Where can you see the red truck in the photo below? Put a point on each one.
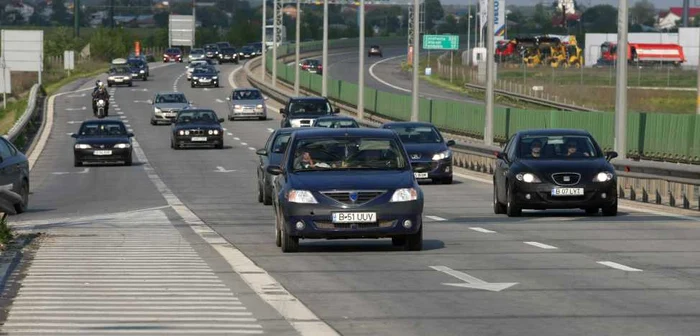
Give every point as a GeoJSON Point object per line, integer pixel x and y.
{"type": "Point", "coordinates": [644, 53]}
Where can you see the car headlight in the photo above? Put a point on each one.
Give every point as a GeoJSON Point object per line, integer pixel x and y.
{"type": "Point", "coordinates": [442, 155]}
{"type": "Point", "coordinates": [216, 132]}
{"type": "Point", "coordinates": [237, 107]}
{"type": "Point", "coordinates": [404, 195]}
{"type": "Point", "coordinates": [110, 78]}
{"type": "Point", "coordinates": [122, 145]}
{"type": "Point", "coordinates": [301, 196]}
{"type": "Point", "coordinates": [603, 177]}
{"type": "Point", "coordinates": [157, 110]}
{"type": "Point", "coordinates": [142, 71]}
{"type": "Point", "coordinates": [527, 178]}
{"type": "Point", "coordinates": [165, 55]}
{"type": "Point", "coordinates": [187, 132]}
{"type": "Point", "coordinates": [259, 107]}
{"type": "Point", "coordinates": [215, 77]}
{"type": "Point", "coordinates": [195, 78]}
{"type": "Point", "coordinates": [181, 132]}
{"type": "Point", "coordinates": [82, 146]}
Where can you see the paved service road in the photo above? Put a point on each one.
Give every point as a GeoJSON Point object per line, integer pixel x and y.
{"type": "Point", "coordinates": [635, 274]}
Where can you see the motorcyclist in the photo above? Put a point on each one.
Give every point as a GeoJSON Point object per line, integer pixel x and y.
{"type": "Point", "coordinates": [100, 93]}
{"type": "Point", "coordinates": [97, 86]}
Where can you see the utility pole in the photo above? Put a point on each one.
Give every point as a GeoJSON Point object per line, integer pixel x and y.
{"type": "Point", "coordinates": [686, 9]}
{"type": "Point", "coordinates": [274, 44]}
{"type": "Point", "coordinates": [264, 41]}
{"type": "Point", "coordinates": [416, 59]}
{"type": "Point", "coordinates": [194, 21]}
{"type": "Point", "coordinates": [697, 106]}
{"type": "Point", "coordinates": [621, 87]}
{"type": "Point", "coordinates": [361, 73]}
{"type": "Point", "coordinates": [111, 13]}
{"type": "Point", "coordinates": [296, 49]}
{"type": "Point", "coordinates": [490, 68]}
{"type": "Point", "coordinates": [76, 17]}
{"type": "Point", "coordinates": [324, 61]}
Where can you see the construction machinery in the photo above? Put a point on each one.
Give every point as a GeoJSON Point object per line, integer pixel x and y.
{"type": "Point", "coordinates": [554, 51]}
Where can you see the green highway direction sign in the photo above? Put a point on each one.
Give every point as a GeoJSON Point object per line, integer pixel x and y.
{"type": "Point", "coordinates": [441, 42]}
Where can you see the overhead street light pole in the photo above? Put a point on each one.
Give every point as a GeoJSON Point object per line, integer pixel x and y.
{"type": "Point", "coordinates": [361, 73]}
{"type": "Point", "coordinates": [415, 59]}
{"type": "Point", "coordinates": [296, 49]}
{"type": "Point", "coordinates": [697, 106]}
{"type": "Point", "coordinates": [264, 40]}
{"type": "Point", "coordinates": [324, 61]}
{"type": "Point", "coordinates": [76, 17]}
{"type": "Point", "coordinates": [274, 44]}
{"type": "Point", "coordinates": [490, 62]}
{"type": "Point", "coordinates": [621, 86]}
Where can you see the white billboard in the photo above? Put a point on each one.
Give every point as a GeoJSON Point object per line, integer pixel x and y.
{"type": "Point", "coordinates": [181, 31]}
{"type": "Point", "coordinates": [23, 50]}
{"type": "Point", "coordinates": [68, 60]}
{"type": "Point", "coordinates": [499, 19]}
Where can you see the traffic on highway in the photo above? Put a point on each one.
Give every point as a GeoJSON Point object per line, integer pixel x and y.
{"type": "Point", "coordinates": [198, 191]}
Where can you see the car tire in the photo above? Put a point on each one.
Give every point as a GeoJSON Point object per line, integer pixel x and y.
{"type": "Point", "coordinates": [267, 196]}
{"type": "Point", "coordinates": [128, 162]}
{"type": "Point", "coordinates": [153, 122]}
{"type": "Point", "coordinates": [398, 241]}
{"type": "Point", "coordinates": [192, 85]}
{"type": "Point", "coordinates": [512, 210]}
{"type": "Point", "coordinates": [262, 118]}
{"type": "Point", "coordinates": [498, 207]}
{"type": "Point", "coordinates": [109, 85]}
{"type": "Point", "coordinates": [131, 84]}
{"type": "Point", "coordinates": [591, 211]}
{"type": "Point", "coordinates": [231, 119]}
{"type": "Point", "coordinates": [610, 210]}
{"type": "Point", "coordinates": [278, 233]}
{"type": "Point", "coordinates": [24, 193]}
{"type": "Point", "coordinates": [77, 163]}
{"type": "Point", "coordinates": [219, 146]}
{"type": "Point", "coordinates": [288, 244]}
{"type": "Point", "coordinates": [260, 193]}
{"type": "Point", "coordinates": [414, 242]}
{"type": "Point", "coordinates": [447, 180]}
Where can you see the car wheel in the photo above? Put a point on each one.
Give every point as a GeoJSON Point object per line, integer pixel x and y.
{"type": "Point", "coordinates": [219, 146]}
{"type": "Point", "coordinates": [414, 242]}
{"type": "Point", "coordinates": [77, 163]}
{"type": "Point", "coordinates": [447, 180]}
{"type": "Point", "coordinates": [398, 241]}
{"type": "Point", "coordinates": [288, 243]}
{"type": "Point", "coordinates": [24, 193]}
{"type": "Point", "coordinates": [128, 161]}
{"type": "Point", "coordinates": [591, 211]}
{"type": "Point", "coordinates": [192, 85]}
{"type": "Point", "coordinates": [278, 233]}
{"type": "Point", "coordinates": [109, 85]}
{"type": "Point", "coordinates": [262, 118]}
{"type": "Point", "coordinates": [231, 119]}
{"type": "Point", "coordinates": [131, 84]}
{"type": "Point", "coordinates": [498, 207]}
{"type": "Point", "coordinates": [512, 210]}
{"type": "Point", "coordinates": [260, 193]}
{"type": "Point", "coordinates": [267, 196]}
{"type": "Point", "coordinates": [153, 122]}
{"type": "Point", "coordinates": [610, 210]}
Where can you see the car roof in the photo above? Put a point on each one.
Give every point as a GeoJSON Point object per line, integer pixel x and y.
{"type": "Point", "coordinates": [102, 121]}
{"type": "Point", "coordinates": [306, 133]}
{"type": "Point", "coordinates": [163, 93]}
{"type": "Point", "coordinates": [554, 131]}
{"type": "Point", "coordinates": [308, 98]}
{"type": "Point", "coordinates": [286, 130]}
{"type": "Point", "coordinates": [409, 123]}
{"type": "Point", "coordinates": [198, 110]}
{"type": "Point", "coordinates": [335, 118]}
{"type": "Point", "coordinates": [246, 89]}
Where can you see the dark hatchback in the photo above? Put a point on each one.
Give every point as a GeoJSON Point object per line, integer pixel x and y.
{"type": "Point", "coordinates": [554, 169]}
{"type": "Point", "coordinates": [205, 76]}
{"type": "Point", "coordinates": [247, 52]}
{"type": "Point", "coordinates": [197, 128]}
{"type": "Point", "coordinates": [336, 122]}
{"type": "Point", "coordinates": [172, 55]}
{"type": "Point", "coordinates": [102, 141]}
{"type": "Point", "coordinates": [211, 51]}
{"type": "Point", "coordinates": [139, 68]}
{"type": "Point", "coordinates": [228, 55]}
{"type": "Point", "coordinates": [347, 183]}
{"type": "Point", "coordinates": [303, 111]}
{"type": "Point", "coordinates": [271, 154]}
{"type": "Point", "coordinates": [14, 178]}
{"type": "Point", "coordinates": [430, 154]}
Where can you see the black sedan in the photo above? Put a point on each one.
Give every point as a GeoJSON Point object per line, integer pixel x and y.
{"type": "Point", "coordinates": [271, 155]}
{"type": "Point", "coordinates": [139, 68]}
{"type": "Point", "coordinates": [336, 122]}
{"type": "Point", "coordinates": [348, 183]}
{"type": "Point", "coordinates": [431, 157]}
{"type": "Point", "coordinates": [247, 52]}
{"type": "Point", "coordinates": [205, 77]}
{"type": "Point", "coordinates": [14, 171]}
{"type": "Point", "coordinates": [303, 111]}
{"type": "Point", "coordinates": [102, 141]}
{"type": "Point", "coordinates": [228, 55]}
{"type": "Point", "coordinates": [197, 128]}
{"type": "Point", "coordinates": [554, 169]}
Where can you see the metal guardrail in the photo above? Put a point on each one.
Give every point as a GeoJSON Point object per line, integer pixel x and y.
{"type": "Point", "coordinates": [534, 100]}
{"type": "Point", "coordinates": [660, 183]}
{"type": "Point", "coordinates": [24, 129]}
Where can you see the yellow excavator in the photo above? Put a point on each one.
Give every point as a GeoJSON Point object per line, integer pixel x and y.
{"type": "Point", "coordinates": [574, 54]}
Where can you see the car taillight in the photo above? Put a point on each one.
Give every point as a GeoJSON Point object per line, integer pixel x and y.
{"type": "Point", "coordinates": [305, 66]}
{"type": "Point", "coordinates": [320, 66]}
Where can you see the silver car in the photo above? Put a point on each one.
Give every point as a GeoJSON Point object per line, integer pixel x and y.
{"type": "Point", "coordinates": [247, 103]}
{"type": "Point", "coordinates": [166, 105]}
{"type": "Point", "coordinates": [196, 54]}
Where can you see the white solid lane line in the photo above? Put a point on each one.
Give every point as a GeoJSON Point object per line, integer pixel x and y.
{"type": "Point", "coordinates": [436, 218]}
{"type": "Point", "coordinates": [540, 245]}
{"type": "Point", "coordinates": [482, 230]}
{"type": "Point", "coordinates": [371, 73]}
{"type": "Point", "coordinates": [619, 266]}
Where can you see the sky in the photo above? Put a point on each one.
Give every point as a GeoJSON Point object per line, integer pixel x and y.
{"type": "Point", "coordinates": [659, 4]}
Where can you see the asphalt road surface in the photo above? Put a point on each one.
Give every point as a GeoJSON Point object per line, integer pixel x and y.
{"type": "Point", "coordinates": [558, 272]}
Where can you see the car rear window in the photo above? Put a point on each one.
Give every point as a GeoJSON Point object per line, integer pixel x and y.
{"type": "Point", "coordinates": [102, 129]}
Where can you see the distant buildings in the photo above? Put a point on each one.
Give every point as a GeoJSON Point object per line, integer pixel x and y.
{"type": "Point", "coordinates": [669, 19]}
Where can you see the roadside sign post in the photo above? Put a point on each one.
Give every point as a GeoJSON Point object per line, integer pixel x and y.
{"type": "Point", "coordinates": [68, 60]}
{"type": "Point", "coordinates": [5, 87]}
{"type": "Point", "coordinates": [442, 42]}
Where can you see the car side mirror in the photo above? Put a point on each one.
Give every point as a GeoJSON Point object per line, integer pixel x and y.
{"type": "Point", "coordinates": [336, 111]}
{"type": "Point", "coordinates": [275, 170]}
{"type": "Point", "coordinates": [610, 155]}
{"type": "Point", "coordinates": [130, 134]}
{"type": "Point", "coordinates": [450, 143]}
{"type": "Point", "coordinates": [262, 152]}
{"type": "Point", "coordinates": [283, 111]}
{"type": "Point", "coordinates": [221, 120]}
{"type": "Point", "coordinates": [73, 135]}
{"type": "Point", "coordinates": [502, 156]}
{"type": "Point", "coordinates": [266, 98]}
{"type": "Point", "coordinates": [228, 98]}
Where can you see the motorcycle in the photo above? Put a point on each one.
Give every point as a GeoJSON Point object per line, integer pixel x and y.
{"type": "Point", "coordinates": [101, 108]}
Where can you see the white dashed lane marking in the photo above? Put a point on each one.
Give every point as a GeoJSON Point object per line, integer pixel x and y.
{"type": "Point", "coordinates": [270, 130]}
{"type": "Point", "coordinates": [482, 230]}
{"type": "Point", "coordinates": [619, 266]}
{"type": "Point", "coordinates": [236, 138]}
{"type": "Point", "coordinates": [540, 245]}
{"type": "Point", "coordinates": [244, 143]}
{"type": "Point", "coordinates": [436, 218]}
{"type": "Point", "coordinates": [229, 133]}
{"type": "Point", "coordinates": [251, 148]}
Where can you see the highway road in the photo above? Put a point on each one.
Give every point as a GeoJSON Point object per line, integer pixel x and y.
{"type": "Point", "coordinates": [549, 273]}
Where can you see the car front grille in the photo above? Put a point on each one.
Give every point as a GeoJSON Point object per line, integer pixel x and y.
{"type": "Point", "coordinates": [326, 225]}
{"type": "Point", "coordinates": [199, 132]}
{"type": "Point", "coordinates": [362, 196]}
{"type": "Point", "coordinates": [422, 167]}
{"type": "Point", "coordinates": [566, 179]}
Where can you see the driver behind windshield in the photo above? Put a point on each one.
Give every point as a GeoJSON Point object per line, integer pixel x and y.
{"type": "Point", "coordinates": [309, 107]}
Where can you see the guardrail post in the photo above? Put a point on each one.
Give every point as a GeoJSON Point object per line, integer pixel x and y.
{"type": "Point", "coordinates": [645, 195]}
{"type": "Point", "coordinates": [621, 192]}
{"type": "Point", "coordinates": [671, 199]}
{"type": "Point", "coordinates": [686, 202]}
{"type": "Point", "coordinates": [633, 194]}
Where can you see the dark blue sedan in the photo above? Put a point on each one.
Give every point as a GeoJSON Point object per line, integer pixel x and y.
{"type": "Point", "coordinates": [430, 154]}
{"type": "Point", "coordinates": [346, 183]}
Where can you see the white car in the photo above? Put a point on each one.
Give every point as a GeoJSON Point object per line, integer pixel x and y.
{"type": "Point", "coordinates": [190, 67]}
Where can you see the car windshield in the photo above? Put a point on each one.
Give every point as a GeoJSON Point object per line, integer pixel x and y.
{"type": "Point", "coordinates": [417, 134]}
{"type": "Point", "coordinates": [173, 51]}
{"type": "Point", "coordinates": [313, 62]}
{"type": "Point", "coordinates": [319, 107]}
{"type": "Point", "coordinates": [247, 95]}
{"type": "Point", "coordinates": [102, 129]}
{"type": "Point", "coordinates": [135, 63]}
{"type": "Point", "coordinates": [348, 153]}
{"type": "Point", "coordinates": [280, 143]}
{"type": "Point", "coordinates": [557, 147]}
{"type": "Point", "coordinates": [197, 116]}
{"type": "Point", "coordinates": [228, 50]}
{"type": "Point", "coordinates": [203, 71]}
{"type": "Point", "coordinates": [120, 71]}
{"type": "Point", "coordinates": [343, 123]}
{"type": "Point", "coordinates": [210, 48]}
{"type": "Point", "coordinates": [223, 44]}
{"type": "Point", "coordinates": [197, 64]}
{"type": "Point", "coordinates": [197, 51]}
{"type": "Point", "coordinates": [248, 48]}
{"type": "Point", "coordinates": [171, 99]}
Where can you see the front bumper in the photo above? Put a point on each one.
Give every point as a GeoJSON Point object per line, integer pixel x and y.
{"type": "Point", "coordinates": [228, 58]}
{"type": "Point", "coordinates": [247, 113]}
{"type": "Point", "coordinates": [119, 81]}
{"type": "Point", "coordinates": [166, 117]}
{"type": "Point", "coordinates": [595, 195]}
{"type": "Point", "coordinates": [318, 220]}
{"type": "Point", "coordinates": [88, 155]}
{"type": "Point", "coordinates": [187, 140]}
{"type": "Point", "coordinates": [172, 59]}
{"type": "Point", "coordinates": [433, 169]}
{"type": "Point", "coordinates": [139, 75]}
{"type": "Point", "coordinates": [199, 82]}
